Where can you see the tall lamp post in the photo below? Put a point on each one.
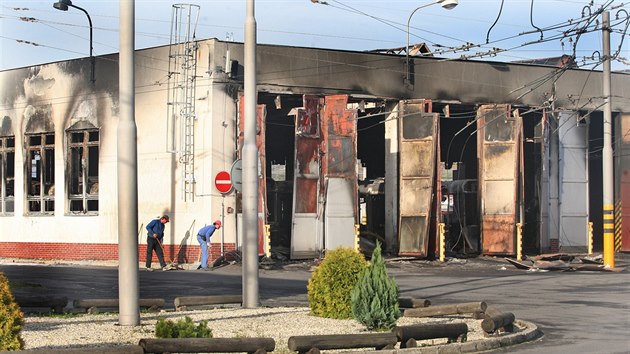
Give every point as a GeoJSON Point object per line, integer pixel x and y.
{"type": "Point", "coordinates": [447, 4]}
{"type": "Point", "coordinates": [63, 6]}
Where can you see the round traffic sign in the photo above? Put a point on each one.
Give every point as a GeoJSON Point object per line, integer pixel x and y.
{"type": "Point", "coordinates": [237, 175]}
{"type": "Point", "coordinates": [223, 182]}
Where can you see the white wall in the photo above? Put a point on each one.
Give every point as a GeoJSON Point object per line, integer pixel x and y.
{"type": "Point", "coordinates": [66, 95]}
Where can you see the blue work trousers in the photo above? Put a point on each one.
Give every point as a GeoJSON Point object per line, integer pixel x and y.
{"type": "Point", "coordinates": [204, 251]}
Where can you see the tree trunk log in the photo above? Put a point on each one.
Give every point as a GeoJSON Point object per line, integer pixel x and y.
{"type": "Point", "coordinates": [184, 301]}
{"type": "Point", "coordinates": [121, 349]}
{"type": "Point", "coordinates": [408, 302]}
{"type": "Point", "coordinates": [452, 331]}
{"type": "Point", "coordinates": [454, 309]}
{"type": "Point", "coordinates": [88, 303]}
{"type": "Point", "coordinates": [207, 345]}
{"type": "Point", "coordinates": [57, 303]}
{"type": "Point", "coordinates": [491, 324]}
{"type": "Point", "coordinates": [379, 341]}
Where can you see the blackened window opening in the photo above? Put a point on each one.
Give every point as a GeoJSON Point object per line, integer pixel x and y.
{"type": "Point", "coordinates": [83, 159]}
{"type": "Point", "coordinates": [40, 173]}
{"type": "Point", "coordinates": [7, 175]}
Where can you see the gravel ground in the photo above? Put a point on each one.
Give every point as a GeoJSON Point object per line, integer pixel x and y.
{"type": "Point", "coordinates": [280, 323]}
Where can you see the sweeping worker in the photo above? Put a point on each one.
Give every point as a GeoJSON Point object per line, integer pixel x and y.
{"type": "Point", "coordinates": [203, 237]}
{"type": "Point", "coordinates": [155, 237]}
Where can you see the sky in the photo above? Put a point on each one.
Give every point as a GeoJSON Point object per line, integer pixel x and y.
{"type": "Point", "coordinates": [33, 32]}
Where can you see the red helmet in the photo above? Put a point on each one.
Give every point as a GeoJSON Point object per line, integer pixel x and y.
{"type": "Point", "coordinates": [217, 223]}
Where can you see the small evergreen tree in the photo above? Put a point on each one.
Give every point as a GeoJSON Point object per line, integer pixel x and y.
{"type": "Point", "coordinates": [375, 297]}
{"type": "Point", "coordinates": [331, 284]}
{"type": "Point", "coordinates": [11, 318]}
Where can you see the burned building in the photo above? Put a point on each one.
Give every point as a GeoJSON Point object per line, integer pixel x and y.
{"type": "Point", "coordinates": [349, 152]}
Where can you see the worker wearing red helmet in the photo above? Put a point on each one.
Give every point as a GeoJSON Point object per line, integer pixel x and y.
{"type": "Point", "coordinates": [203, 237]}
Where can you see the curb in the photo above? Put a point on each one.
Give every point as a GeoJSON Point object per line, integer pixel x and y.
{"type": "Point", "coordinates": [530, 333]}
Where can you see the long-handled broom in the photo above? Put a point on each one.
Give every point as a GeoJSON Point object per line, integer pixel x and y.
{"type": "Point", "coordinates": [172, 265]}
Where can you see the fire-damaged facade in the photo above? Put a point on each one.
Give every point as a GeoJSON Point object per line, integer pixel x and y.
{"type": "Point", "coordinates": [350, 153]}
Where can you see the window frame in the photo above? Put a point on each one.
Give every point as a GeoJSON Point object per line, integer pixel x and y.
{"type": "Point", "coordinates": [45, 169]}
{"type": "Point", "coordinates": [5, 160]}
{"type": "Point", "coordinates": [85, 189]}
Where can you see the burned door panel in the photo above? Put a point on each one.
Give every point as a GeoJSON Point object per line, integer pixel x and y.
{"type": "Point", "coordinates": [409, 240]}
{"type": "Point", "coordinates": [499, 146]}
{"type": "Point", "coordinates": [261, 112]}
{"type": "Point", "coordinates": [306, 229]}
{"type": "Point", "coordinates": [574, 201]}
{"type": "Point", "coordinates": [340, 216]}
{"type": "Point", "coordinates": [340, 186]}
{"type": "Point", "coordinates": [418, 146]}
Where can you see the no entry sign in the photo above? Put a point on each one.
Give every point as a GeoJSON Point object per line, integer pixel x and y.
{"type": "Point", "coordinates": [223, 182]}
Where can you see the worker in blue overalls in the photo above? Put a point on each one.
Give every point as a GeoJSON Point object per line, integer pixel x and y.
{"type": "Point", "coordinates": [203, 237]}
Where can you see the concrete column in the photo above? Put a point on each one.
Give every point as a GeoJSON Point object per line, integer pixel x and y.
{"type": "Point", "coordinates": [128, 285]}
{"type": "Point", "coordinates": [250, 168]}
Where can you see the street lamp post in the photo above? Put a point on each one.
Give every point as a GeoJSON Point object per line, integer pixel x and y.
{"type": "Point", "coordinates": [447, 4]}
{"type": "Point", "coordinates": [63, 6]}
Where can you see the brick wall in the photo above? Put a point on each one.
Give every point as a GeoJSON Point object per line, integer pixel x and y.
{"type": "Point", "coordinates": [103, 252]}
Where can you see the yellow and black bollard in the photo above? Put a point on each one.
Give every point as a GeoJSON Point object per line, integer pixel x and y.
{"type": "Point", "coordinates": [442, 242]}
{"type": "Point", "coordinates": [519, 242]}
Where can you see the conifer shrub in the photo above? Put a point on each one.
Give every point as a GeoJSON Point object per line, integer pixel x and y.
{"type": "Point", "coordinates": [183, 328]}
{"type": "Point", "coordinates": [375, 297]}
{"type": "Point", "coordinates": [11, 318]}
{"type": "Point", "coordinates": [329, 288]}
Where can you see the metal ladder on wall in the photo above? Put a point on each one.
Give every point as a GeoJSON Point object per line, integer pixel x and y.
{"type": "Point", "coordinates": [181, 115]}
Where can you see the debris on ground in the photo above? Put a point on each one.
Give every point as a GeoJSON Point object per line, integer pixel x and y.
{"type": "Point", "coordinates": [563, 262]}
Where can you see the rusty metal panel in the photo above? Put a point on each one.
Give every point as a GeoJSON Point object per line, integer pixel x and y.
{"type": "Point", "coordinates": [418, 154]}
{"type": "Point", "coordinates": [340, 188]}
{"type": "Point", "coordinates": [261, 113]}
{"type": "Point", "coordinates": [499, 145]}
{"type": "Point", "coordinates": [306, 233]}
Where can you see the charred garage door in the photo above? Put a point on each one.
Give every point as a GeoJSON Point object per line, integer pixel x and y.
{"type": "Point", "coordinates": [499, 145]}
{"type": "Point", "coordinates": [418, 155]}
{"type": "Point", "coordinates": [307, 226]}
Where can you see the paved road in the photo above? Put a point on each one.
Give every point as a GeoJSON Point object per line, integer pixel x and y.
{"type": "Point", "coordinates": [579, 312]}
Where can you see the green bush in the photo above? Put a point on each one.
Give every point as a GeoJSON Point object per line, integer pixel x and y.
{"type": "Point", "coordinates": [182, 329]}
{"type": "Point", "coordinates": [331, 284]}
{"type": "Point", "coordinates": [375, 298]}
{"type": "Point", "coordinates": [11, 318]}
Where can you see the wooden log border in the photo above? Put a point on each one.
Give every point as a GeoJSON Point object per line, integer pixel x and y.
{"type": "Point", "coordinates": [93, 305]}
{"type": "Point", "coordinates": [55, 303]}
{"type": "Point", "coordinates": [452, 309]}
{"type": "Point", "coordinates": [182, 302]}
{"type": "Point", "coordinates": [504, 320]}
{"type": "Point", "coordinates": [119, 349]}
{"type": "Point", "coordinates": [315, 343]}
{"type": "Point", "coordinates": [409, 335]}
{"type": "Point", "coordinates": [208, 345]}
{"type": "Point", "coordinates": [408, 302]}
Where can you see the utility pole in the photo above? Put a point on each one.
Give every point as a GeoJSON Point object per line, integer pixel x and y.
{"type": "Point", "coordinates": [607, 153]}
{"type": "Point", "coordinates": [127, 162]}
{"type": "Point", "coordinates": [250, 167]}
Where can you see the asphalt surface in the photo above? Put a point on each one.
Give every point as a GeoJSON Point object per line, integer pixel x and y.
{"type": "Point", "coordinates": [579, 312]}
